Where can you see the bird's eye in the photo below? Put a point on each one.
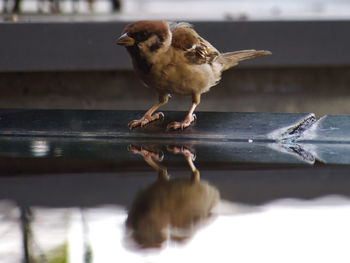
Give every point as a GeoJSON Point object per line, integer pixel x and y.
{"type": "Point", "coordinates": [142, 35]}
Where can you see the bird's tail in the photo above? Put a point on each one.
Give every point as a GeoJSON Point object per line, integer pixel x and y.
{"type": "Point", "coordinates": [231, 59]}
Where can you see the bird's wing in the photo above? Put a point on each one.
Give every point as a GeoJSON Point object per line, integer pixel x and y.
{"type": "Point", "coordinates": [196, 49]}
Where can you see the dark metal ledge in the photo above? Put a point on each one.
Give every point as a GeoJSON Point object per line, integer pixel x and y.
{"type": "Point", "coordinates": [108, 124]}
{"type": "Point", "coordinates": [223, 137]}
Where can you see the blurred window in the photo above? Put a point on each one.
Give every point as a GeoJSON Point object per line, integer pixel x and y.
{"type": "Point", "coordinates": [190, 9]}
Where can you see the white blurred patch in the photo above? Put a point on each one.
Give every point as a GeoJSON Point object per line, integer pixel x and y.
{"type": "Point", "coordinates": [288, 230]}
{"type": "Point", "coordinates": [10, 233]}
{"type": "Point", "coordinates": [40, 148]}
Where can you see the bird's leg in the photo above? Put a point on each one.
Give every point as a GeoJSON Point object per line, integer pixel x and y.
{"type": "Point", "coordinates": [149, 116]}
{"type": "Point", "coordinates": [152, 159]}
{"type": "Point", "coordinates": [190, 157]}
{"type": "Point", "coordinates": [190, 117]}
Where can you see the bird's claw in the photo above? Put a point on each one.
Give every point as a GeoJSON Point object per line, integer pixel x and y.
{"type": "Point", "coordinates": [157, 156]}
{"type": "Point", "coordinates": [177, 125]}
{"type": "Point", "coordinates": [181, 125]}
{"type": "Point", "coordinates": [160, 115]}
{"type": "Point", "coordinates": [145, 120]}
{"type": "Point", "coordinates": [134, 123]}
{"type": "Point", "coordinates": [184, 150]}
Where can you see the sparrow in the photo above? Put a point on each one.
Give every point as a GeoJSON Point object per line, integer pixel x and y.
{"type": "Point", "coordinates": [173, 59]}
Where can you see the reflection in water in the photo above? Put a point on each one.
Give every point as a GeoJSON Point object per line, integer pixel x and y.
{"type": "Point", "coordinates": [170, 208]}
{"type": "Point", "coordinates": [283, 231]}
{"type": "Point", "coordinates": [48, 234]}
{"type": "Point", "coordinates": [10, 233]}
{"type": "Point", "coordinates": [40, 148]}
{"type": "Point", "coordinates": [287, 230]}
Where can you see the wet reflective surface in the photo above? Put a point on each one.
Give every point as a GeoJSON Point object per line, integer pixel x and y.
{"type": "Point", "coordinates": [127, 201]}
{"type": "Point", "coordinates": [77, 186]}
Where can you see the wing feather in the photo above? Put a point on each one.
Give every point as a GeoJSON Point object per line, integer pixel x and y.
{"type": "Point", "coordinates": [196, 49]}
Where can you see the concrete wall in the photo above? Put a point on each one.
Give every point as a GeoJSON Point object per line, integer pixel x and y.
{"type": "Point", "coordinates": [318, 90]}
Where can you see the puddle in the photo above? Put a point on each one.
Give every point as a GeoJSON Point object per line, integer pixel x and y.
{"type": "Point", "coordinates": [159, 202]}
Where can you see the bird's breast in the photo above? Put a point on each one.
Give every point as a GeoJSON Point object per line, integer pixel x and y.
{"type": "Point", "coordinates": [171, 73]}
{"type": "Point", "coordinates": [182, 79]}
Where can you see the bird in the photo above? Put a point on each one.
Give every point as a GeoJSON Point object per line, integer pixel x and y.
{"type": "Point", "coordinates": [172, 58]}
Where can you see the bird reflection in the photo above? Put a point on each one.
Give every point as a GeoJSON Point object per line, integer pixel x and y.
{"type": "Point", "coordinates": [169, 209]}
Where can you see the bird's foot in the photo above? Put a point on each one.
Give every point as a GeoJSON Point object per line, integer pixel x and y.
{"type": "Point", "coordinates": [184, 150]}
{"type": "Point", "coordinates": [146, 153]}
{"type": "Point", "coordinates": [190, 156]}
{"type": "Point", "coordinates": [182, 124]}
{"type": "Point", "coordinates": [145, 120]}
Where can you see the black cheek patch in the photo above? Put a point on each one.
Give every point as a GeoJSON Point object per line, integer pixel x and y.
{"type": "Point", "coordinates": [155, 46]}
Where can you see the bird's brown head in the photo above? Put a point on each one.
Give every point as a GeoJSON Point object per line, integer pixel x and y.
{"type": "Point", "coordinates": [153, 32]}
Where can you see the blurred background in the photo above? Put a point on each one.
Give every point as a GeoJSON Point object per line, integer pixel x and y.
{"type": "Point", "coordinates": [195, 9]}
{"type": "Point", "coordinates": [61, 54]}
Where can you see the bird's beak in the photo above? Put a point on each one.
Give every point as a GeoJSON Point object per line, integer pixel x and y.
{"type": "Point", "coordinates": [125, 40]}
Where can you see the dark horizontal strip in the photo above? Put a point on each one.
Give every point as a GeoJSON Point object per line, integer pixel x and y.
{"type": "Point", "coordinates": [72, 46]}
{"type": "Point", "coordinates": [113, 124]}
